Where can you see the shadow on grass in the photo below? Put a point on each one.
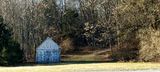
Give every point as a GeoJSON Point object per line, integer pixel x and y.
{"type": "Point", "coordinates": [55, 64]}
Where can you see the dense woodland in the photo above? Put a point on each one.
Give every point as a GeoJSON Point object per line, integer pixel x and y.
{"type": "Point", "coordinates": [130, 28]}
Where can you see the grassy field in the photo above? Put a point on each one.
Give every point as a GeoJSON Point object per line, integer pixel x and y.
{"type": "Point", "coordinates": [80, 67]}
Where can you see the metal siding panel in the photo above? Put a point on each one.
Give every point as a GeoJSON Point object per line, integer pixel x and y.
{"type": "Point", "coordinates": [52, 57]}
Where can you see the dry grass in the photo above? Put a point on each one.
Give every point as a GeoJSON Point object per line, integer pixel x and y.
{"type": "Point", "coordinates": [85, 58]}
{"type": "Point", "coordinates": [81, 67]}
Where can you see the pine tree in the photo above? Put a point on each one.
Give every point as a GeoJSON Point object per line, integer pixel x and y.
{"type": "Point", "coordinates": [10, 52]}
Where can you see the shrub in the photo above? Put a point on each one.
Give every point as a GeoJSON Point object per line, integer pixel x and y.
{"type": "Point", "coordinates": [67, 45]}
{"type": "Point", "coordinates": [149, 45]}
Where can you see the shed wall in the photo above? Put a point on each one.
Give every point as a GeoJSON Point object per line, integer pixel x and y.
{"type": "Point", "coordinates": [48, 56]}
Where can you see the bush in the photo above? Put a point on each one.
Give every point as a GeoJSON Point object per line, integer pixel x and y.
{"type": "Point", "coordinates": [10, 52]}
{"type": "Point", "coordinates": [149, 45]}
{"type": "Point", "coordinates": [67, 45]}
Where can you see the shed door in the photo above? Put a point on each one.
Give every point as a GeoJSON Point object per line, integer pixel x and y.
{"type": "Point", "coordinates": [55, 57]}
{"type": "Point", "coordinates": [48, 56]}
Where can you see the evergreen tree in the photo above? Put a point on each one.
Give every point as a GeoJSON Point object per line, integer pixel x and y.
{"type": "Point", "coordinates": [10, 52]}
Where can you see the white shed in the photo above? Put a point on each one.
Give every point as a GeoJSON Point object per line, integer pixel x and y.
{"type": "Point", "coordinates": [48, 52]}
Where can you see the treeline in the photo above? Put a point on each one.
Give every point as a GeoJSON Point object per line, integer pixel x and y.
{"type": "Point", "coordinates": [130, 28]}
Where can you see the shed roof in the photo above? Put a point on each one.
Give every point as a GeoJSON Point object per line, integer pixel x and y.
{"type": "Point", "coordinates": [48, 44]}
